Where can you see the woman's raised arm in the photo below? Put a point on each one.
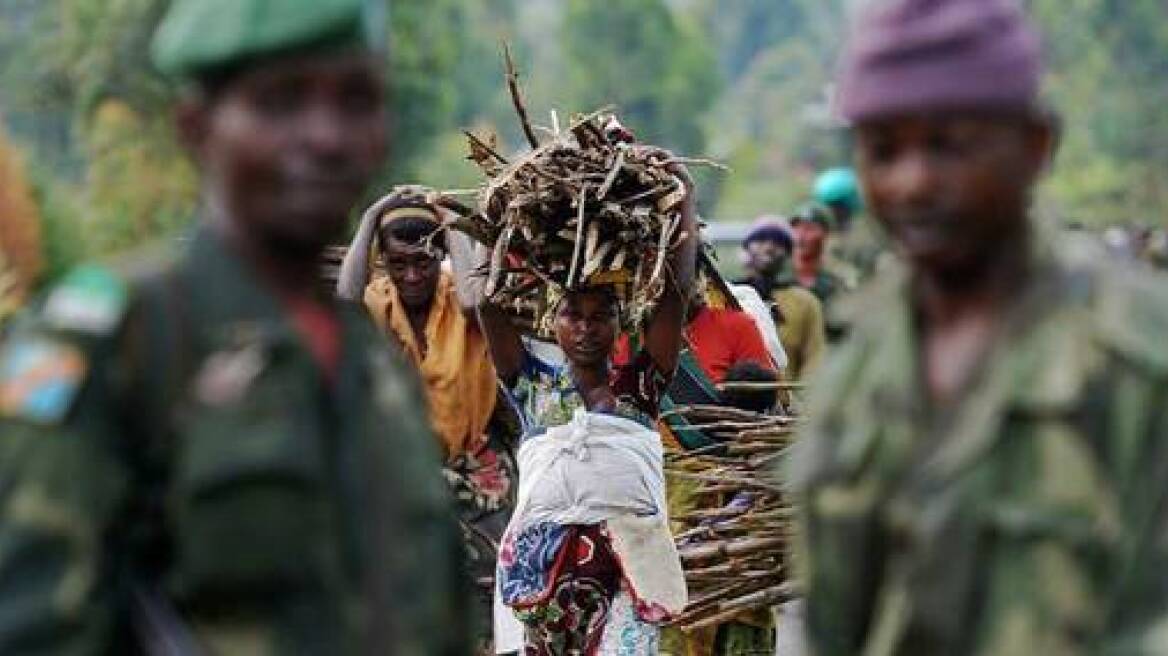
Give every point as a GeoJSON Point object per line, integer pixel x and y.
{"type": "Point", "coordinates": [663, 332]}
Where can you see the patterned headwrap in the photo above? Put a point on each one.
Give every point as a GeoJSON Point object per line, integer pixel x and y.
{"type": "Point", "coordinates": [555, 295]}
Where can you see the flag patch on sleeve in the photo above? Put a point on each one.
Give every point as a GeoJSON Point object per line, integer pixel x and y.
{"type": "Point", "coordinates": [39, 379]}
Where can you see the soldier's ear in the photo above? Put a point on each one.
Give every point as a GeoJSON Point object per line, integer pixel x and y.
{"type": "Point", "coordinates": [192, 122]}
{"type": "Point", "coordinates": [1045, 135]}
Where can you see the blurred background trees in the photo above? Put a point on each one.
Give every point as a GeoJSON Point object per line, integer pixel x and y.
{"type": "Point", "coordinates": [743, 81]}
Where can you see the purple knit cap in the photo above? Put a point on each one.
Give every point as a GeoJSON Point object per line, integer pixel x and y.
{"type": "Point", "coordinates": [908, 56]}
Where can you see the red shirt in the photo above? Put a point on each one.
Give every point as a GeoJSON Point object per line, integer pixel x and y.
{"type": "Point", "coordinates": [719, 339]}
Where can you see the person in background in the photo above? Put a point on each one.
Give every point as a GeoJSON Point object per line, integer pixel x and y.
{"type": "Point", "coordinates": [797, 312]}
{"type": "Point", "coordinates": [856, 251]}
{"type": "Point", "coordinates": [811, 228]}
{"type": "Point", "coordinates": [588, 563]}
{"type": "Point", "coordinates": [208, 455]}
{"type": "Point", "coordinates": [721, 344]}
{"type": "Point", "coordinates": [722, 337]}
{"type": "Point", "coordinates": [763, 315]}
{"type": "Point", "coordinates": [430, 314]}
{"type": "Point", "coordinates": [983, 468]}
{"type": "Point", "coordinates": [716, 338]}
{"type": "Point", "coordinates": [838, 190]}
{"type": "Point", "coordinates": [812, 269]}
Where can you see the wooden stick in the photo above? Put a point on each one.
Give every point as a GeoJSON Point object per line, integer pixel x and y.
{"type": "Point", "coordinates": [729, 548]}
{"type": "Point", "coordinates": [705, 478]}
{"type": "Point", "coordinates": [517, 97]}
{"type": "Point", "coordinates": [485, 146]}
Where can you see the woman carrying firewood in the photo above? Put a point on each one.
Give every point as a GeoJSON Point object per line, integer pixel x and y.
{"type": "Point", "coordinates": [588, 563]}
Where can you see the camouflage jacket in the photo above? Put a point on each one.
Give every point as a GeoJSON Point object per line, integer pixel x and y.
{"type": "Point", "coordinates": [176, 470]}
{"type": "Point", "coordinates": [855, 254]}
{"type": "Point", "coordinates": [1029, 517]}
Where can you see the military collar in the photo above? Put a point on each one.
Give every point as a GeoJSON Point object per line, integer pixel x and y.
{"type": "Point", "coordinates": [229, 293]}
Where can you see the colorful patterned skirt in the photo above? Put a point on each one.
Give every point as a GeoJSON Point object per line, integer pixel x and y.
{"type": "Point", "coordinates": [482, 484]}
{"type": "Point", "coordinates": [587, 608]}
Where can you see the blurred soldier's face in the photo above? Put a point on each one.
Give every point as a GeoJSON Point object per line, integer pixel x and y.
{"type": "Point", "coordinates": [288, 147]}
{"type": "Point", "coordinates": [950, 189]}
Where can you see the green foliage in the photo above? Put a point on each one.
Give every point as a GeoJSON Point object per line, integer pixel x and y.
{"type": "Point", "coordinates": [424, 50]}
{"type": "Point", "coordinates": [136, 185]}
{"type": "Point", "coordinates": [1109, 82]}
{"type": "Point", "coordinates": [772, 125]}
{"type": "Point", "coordinates": [637, 55]}
{"type": "Point", "coordinates": [61, 243]}
{"type": "Point", "coordinates": [140, 186]}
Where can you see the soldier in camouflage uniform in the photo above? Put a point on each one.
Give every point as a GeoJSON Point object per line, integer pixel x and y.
{"type": "Point", "coordinates": [855, 251]}
{"type": "Point", "coordinates": [207, 457]}
{"type": "Point", "coordinates": [984, 469]}
{"type": "Point", "coordinates": [830, 280]}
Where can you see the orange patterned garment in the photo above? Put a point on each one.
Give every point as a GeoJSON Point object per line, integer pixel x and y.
{"type": "Point", "coordinates": [456, 368]}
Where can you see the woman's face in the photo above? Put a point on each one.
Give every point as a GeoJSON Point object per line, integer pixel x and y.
{"type": "Point", "coordinates": [414, 272]}
{"type": "Point", "coordinates": [586, 328]}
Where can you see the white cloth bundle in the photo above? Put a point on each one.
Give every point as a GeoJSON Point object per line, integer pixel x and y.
{"type": "Point", "coordinates": [757, 308]}
{"type": "Point", "coordinates": [601, 468]}
{"type": "Point", "coordinates": [594, 468]}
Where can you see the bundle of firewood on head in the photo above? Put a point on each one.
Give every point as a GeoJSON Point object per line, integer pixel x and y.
{"type": "Point", "coordinates": [586, 207]}
{"type": "Point", "coordinates": [734, 548]}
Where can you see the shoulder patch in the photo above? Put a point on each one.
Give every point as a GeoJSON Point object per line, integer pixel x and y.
{"type": "Point", "coordinates": [39, 378]}
{"type": "Point", "coordinates": [91, 299]}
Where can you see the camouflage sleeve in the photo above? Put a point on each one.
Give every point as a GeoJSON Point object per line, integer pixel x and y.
{"type": "Point", "coordinates": [832, 528]}
{"type": "Point", "coordinates": [1132, 322]}
{"type": "Point", "coordinates": [1138, 609]}
{"type": "Point", "coordinates": [423, 577]}
{"type": "Point", "coordinates": [61, 488]}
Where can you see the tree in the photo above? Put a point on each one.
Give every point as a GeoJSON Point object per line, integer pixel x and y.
{"type": "Point", "coordinates": [772, 125]}
{"type": "Point", "coordinates": [636, 54]}
{"type": "Point", "coordinates": [423, 55]}
{"type": "Point", "coordinates": [1109, 82]}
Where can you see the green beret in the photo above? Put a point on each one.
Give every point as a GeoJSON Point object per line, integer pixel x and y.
{"type": "Point", "coordinates": [813, 213]}
{"type": "Point", "coordinates": [197, 36]}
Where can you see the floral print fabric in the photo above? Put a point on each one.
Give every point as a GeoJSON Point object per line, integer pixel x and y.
{"type": "Point", "coordinates": [564, 581]}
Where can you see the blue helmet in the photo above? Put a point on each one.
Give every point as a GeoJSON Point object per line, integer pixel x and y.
{"type": "Point", "coordinates": [839, 186]}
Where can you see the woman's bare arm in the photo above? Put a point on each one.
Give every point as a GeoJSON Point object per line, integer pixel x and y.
{"type": "Point", "coordinates": [503, 340]}
{"type": "Point", "coordinates": [663, 332]}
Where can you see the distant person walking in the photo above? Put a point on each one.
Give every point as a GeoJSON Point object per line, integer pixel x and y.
{"type": "Point", "coordinates": [797, 312]}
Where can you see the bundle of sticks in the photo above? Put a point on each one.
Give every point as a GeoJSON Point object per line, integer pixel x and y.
{"type": "Point", "coordinates": [586, 206]}
{"type": "Point", "coordinates": [734, 547]}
